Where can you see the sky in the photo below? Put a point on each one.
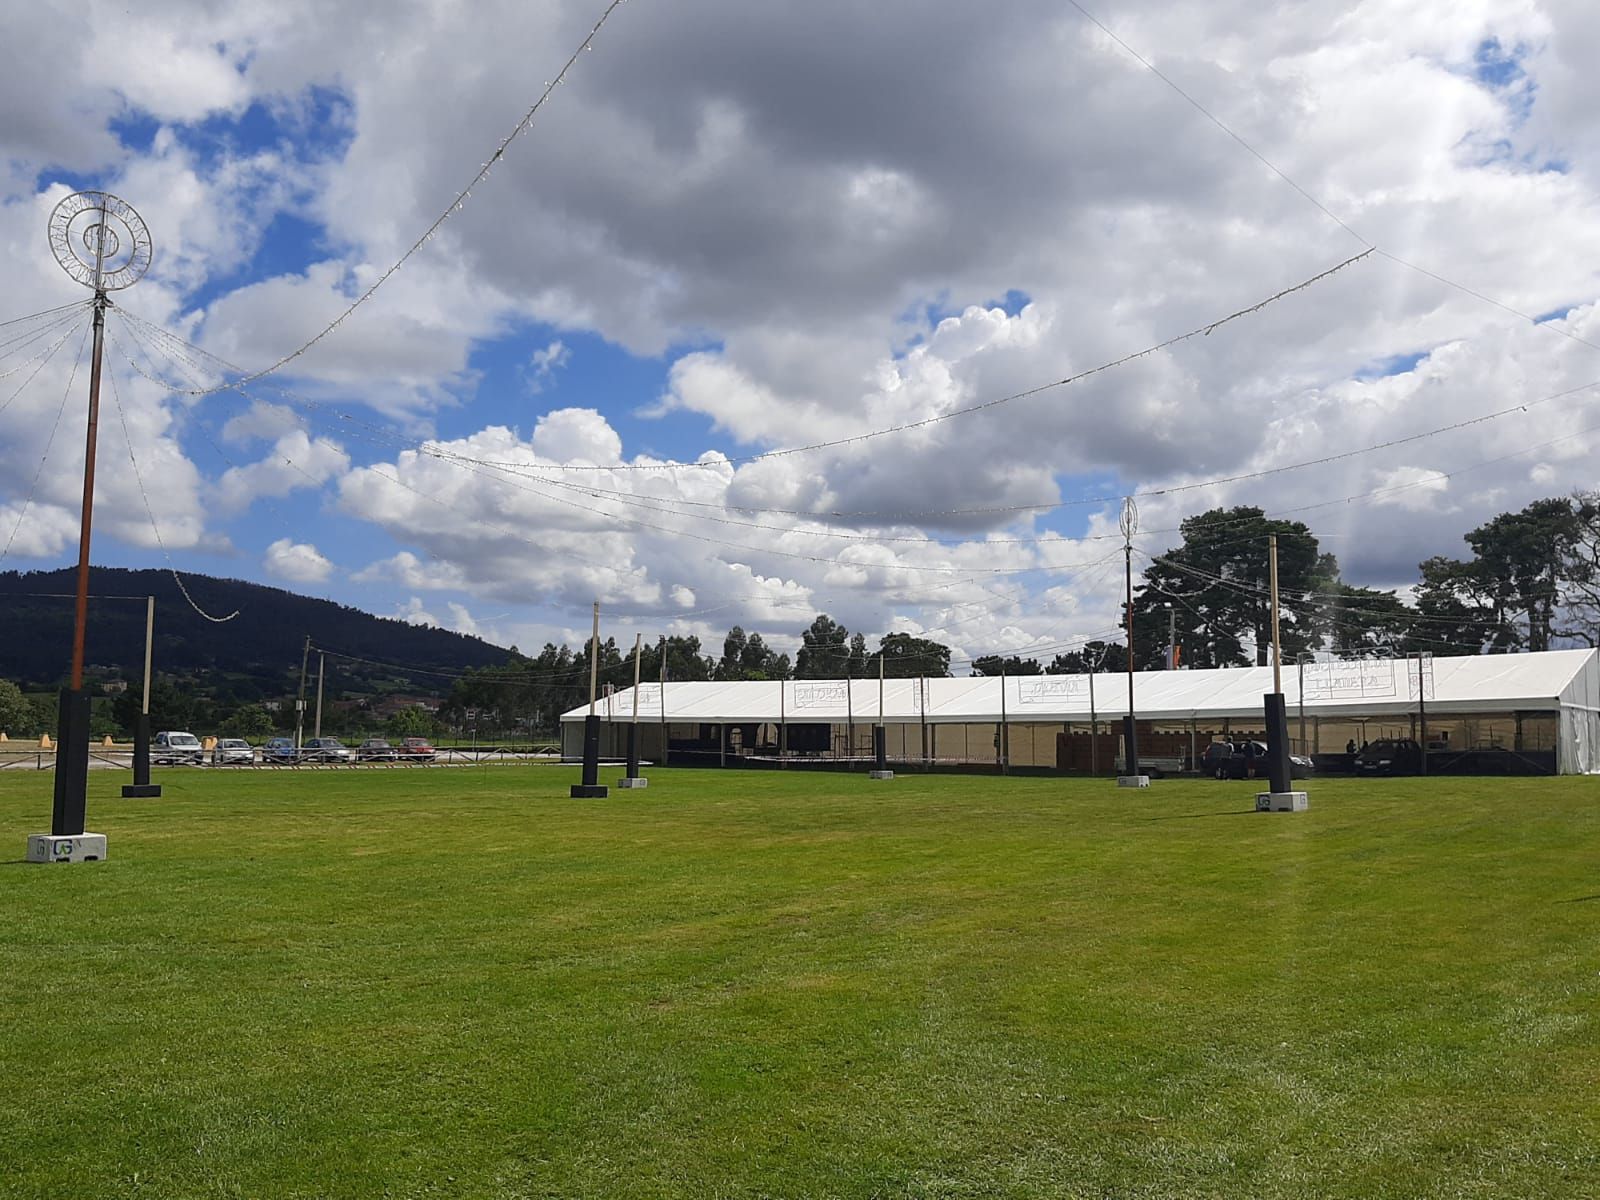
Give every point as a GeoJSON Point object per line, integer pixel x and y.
{"type": "Point", "coordinates": [735, 231]}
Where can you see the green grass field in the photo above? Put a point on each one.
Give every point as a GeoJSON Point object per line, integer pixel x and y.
{"type": "Point", "coordinates": [460, 983]}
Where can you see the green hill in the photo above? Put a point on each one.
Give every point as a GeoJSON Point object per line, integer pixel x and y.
{"type": "Point", "coordinates": [254, 657]}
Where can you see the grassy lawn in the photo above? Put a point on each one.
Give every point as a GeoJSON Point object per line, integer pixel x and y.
{"type": "Point", "coordinates": [460, 983]}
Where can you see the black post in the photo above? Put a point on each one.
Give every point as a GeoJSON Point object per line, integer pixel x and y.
{"type": "Point", "coordinates": [72, 764]}
{"type": "Point", "coordinates": [1130, 743]}
{"type": "Point", "coordinates": [141, 750]}
{"type": "Point", "coordinates": [880, 746]}
{"type": "Point", "coordinates": [591, 788]}
{"type": "Point", "coordinates": [1277, 716]}
{"type": "Point", "coordinates": [141, 787]}
{"type": "Point", "coordinates": [633, 750]}
{"type": "Point", "coordinates": [1422, 719]}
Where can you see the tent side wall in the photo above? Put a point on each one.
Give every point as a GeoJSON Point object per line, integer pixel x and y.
{"type": "Point", "coordinates": [1578, 752]}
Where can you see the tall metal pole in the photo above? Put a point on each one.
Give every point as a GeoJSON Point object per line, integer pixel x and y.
{"type": "Point", "coordinates": [1172, 638]}
{"type": "Point", "coordinates": [103, 269]}
{"type": "Point", "coordinates": [70, 805]}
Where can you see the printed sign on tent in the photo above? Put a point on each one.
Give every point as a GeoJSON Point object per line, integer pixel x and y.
{"type": "Point", "coordinates": [819, 695]}
{"type": "Point", "coordinates": [1042, 690]}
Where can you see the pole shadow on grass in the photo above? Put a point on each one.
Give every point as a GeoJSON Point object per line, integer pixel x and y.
{"type": "Point", "coordinates": [1229, 812]}
{"type": "Point", "coordinates": [1579, 899]}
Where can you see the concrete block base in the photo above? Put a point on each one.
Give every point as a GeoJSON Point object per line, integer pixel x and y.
{"type": "Point", "coordinates": [880, 774]}
{"type": "Point", "coordinates": [590, 791]}
{"type": "Point", "coordinates": [83, 847]}
{"type": "Point", "coordinates": [141, 791]}
{"type": "Point", "coordinates": [1133, 781]}
{"type": "Point", "coordinates": [636, 781]}
{"type": "Point", "coordinates": [1282, 802]}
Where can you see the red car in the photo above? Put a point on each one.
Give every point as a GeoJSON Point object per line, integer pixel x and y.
{"type": "Point", "coordinates": [416, 750]}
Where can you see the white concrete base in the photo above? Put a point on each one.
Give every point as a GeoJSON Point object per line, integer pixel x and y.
{"type": "Point", "coordinates": [633, 782]}
{"type": "Point", "coordinates": [880, 774]}
{"type": "Point", "coordinates": [1133, 781]}
{"type": "Point", "coordinates": [85, 847]}
{"type": "Point", "coordinates": [1282, 802]}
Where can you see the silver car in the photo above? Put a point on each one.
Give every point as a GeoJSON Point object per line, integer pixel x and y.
{"type": "Point", "coordinates": [326, 749]}
{"type": "Point", "coordinates": [172, 746]}
{"type": "Point", "coordinates": [228, 751]}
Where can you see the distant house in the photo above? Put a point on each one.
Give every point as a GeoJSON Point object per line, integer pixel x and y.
{"type": "Point", "coordinates": [114, 687]}
{"type": "Point", "coordinates": [387, 706]}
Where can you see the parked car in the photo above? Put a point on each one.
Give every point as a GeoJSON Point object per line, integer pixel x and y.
{"type": "Point", "coordinates": [325, 750]}
{"type": "Point", "coordinates": [232, 750]}
{"type": "Point", "coordinates": [173, 746]}
{"type": "Point", "coordinates": [280, 750]}
{"type": "Point", "coordinates": [417, 750]}
{"type": "Point", "coordinates": [1390, 756]}
{"type": "Point", "coordinates": [1247, 760]}
{"type": "Point", "coordinates": [375, 750]}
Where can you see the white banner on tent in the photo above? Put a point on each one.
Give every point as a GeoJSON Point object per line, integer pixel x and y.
{"type": "Point", "coordinates": [1366, 679]}
{"type": "Point", "coordinates": [649, 702]}
{"type": "Point", "coordinates": [1050, 690]}
{"type": "Point", "coordinates": [820, 695]}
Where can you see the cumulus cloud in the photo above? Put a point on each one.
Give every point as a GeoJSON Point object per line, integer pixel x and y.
{"type": "Point", "coordinates": [817, 235]}
{"type": "Point", "coordinates": [298, 562]}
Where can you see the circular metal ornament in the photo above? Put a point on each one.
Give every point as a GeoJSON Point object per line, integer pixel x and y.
{"type": "Point", "coordinates": [100, 240]}
{"type": "Point", "coordinates": [1130, 519]}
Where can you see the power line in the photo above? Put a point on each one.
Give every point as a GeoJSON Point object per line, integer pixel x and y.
{"type": "Point", "coordinates": [1318, 204]}
{"type": "Point", "coordinates": [454, 206]}
{"type": "Point", "coordinates": [49, 442]}
{"type": "Point", "coordinates": [138, 477]}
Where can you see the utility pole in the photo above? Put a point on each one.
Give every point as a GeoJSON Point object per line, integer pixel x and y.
{"type": "Point", "coordinates": [1422, 717]}
{"type": "Point", "coordinates": [1172, 638]}
{"type": "Point", "coordinates": [591, 788]}
{"type": "Point", "coordinates": [321, 661]}
{"type": "Point", "coordinates": [1130, 728]}
{"type": "Point", "coordinates": [103, 244]}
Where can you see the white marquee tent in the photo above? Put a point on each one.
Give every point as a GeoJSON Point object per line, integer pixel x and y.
{"type": "Point", "coordinates": [1563, 684]}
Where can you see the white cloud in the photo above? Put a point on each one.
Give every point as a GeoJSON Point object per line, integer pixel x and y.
{"type": "Point", "coordinates": [298, 562]}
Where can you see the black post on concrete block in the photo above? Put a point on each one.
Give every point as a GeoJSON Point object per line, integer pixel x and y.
{"type": "Point", "coordinates": [72, 764]}
{"type": "Point", "coordinates": [141, 787]}
{"type": "Point", "coordinates": [1130, 744]}
{"type": "Point", "coordinates": [591, 788]}
{"type": "Point", "coordinates": [633, 751]}
{"type": "Point", "coordinates": [1277, 725]}
{"type": "Point", "coordinates": [880, 747]}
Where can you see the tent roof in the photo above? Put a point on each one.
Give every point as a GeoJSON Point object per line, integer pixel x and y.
{"type": "Point", "coordinates": [1369, 687]}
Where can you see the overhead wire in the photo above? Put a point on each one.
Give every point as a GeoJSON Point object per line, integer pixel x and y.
{"type": "Point", "coordinates": [55, 425]}
{"type": "Point", "coordinates": [450, 210]}
{"type": "Point", "coordinates": [155, 528]}
{"type": "Point", "coordinates": [1372, 247]}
